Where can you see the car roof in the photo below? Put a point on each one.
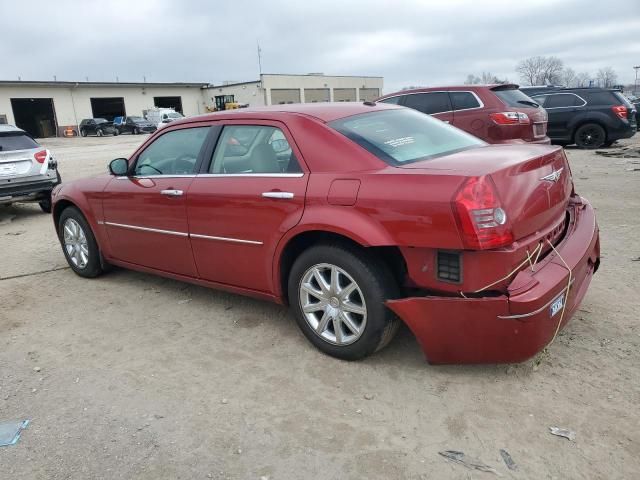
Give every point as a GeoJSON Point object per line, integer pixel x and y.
{"type": "Point", "coordinates": [325, 111]}
{"type": "Point", "coordinates": [474, 87]}
{"type": "Point", "coordinates": [10, 128]}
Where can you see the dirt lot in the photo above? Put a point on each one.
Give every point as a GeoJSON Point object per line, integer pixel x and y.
{"type": "Point", "coordinates": [146, 378]}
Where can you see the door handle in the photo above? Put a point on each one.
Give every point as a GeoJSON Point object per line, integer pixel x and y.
{"type": "Point", "coordinates": [282, 195]}
{"type": "Point", "coordinates": [172, 193]}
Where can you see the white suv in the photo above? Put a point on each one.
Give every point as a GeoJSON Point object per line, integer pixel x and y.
{"type": "Point", "coordinates": [28, 172]}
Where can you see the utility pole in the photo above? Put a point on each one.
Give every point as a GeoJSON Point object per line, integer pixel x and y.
{"type": "Point", "coordinates": [259, 58]}
{"type": "Point", "coordinates": [635, 85]}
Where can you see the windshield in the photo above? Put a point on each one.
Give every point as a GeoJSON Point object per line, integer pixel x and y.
{"type": "Point", "coordinates": [402, 136]}
{"type": "Point", "coordinates": [174, 115]}
{"type": "Point", "coordinates": [515, 98]}
{"type": "Point", "coordinates": [101, 120]}
{"type": "Point", "coordinates": [137, 119]}
{"type": "Point", "coordinates": [16, 141]}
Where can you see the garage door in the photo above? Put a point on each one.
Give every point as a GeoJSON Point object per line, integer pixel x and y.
{"type": "Point", "coordinates": [280, 96]}
{"type": "Point", "coordinates": [369, 94]}
{"type": "Point", "coordinates": [108, 107]}
{"type": "Point", "coordinates": [344, 94]}
{"type": "Point", "coordinates": [315, 95]}
{"type": "Point", "coordinates": [168, 102]}
{"type": "Point", "coordinates": [35, 116]}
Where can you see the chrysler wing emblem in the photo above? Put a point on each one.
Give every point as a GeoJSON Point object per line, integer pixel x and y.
{"type": "Point", "coordinates": [553, 176]}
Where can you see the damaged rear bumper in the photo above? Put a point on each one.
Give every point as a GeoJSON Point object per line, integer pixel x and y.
{"type": "Point", "coordinates": [516, 326]}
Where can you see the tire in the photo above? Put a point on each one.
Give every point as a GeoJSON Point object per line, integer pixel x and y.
{"type": "Point", "coordinates": [115, 132]}
{"type": "Point", "coordinates": [136, 131]}
{"type": "Point", "coordinates": [83, 133]}
{"type": "Point", "coordinates": [99, 133]}
{"type": "Point", "coordinates": [72, 217]}
{"type": "Point", "coordinates": [374, 284]}
{"type": "Point", "coordinates": [590, 135]}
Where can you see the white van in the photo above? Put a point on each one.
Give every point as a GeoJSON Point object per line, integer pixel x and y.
{"type": "Point", "coordinates": [162, 116]}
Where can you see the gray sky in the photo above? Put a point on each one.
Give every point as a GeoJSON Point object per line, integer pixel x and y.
{"type": "Point", "coordinates": [407, 42]}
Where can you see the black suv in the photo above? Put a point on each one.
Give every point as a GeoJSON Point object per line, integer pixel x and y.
{"type": "Point", "coordinates": [97, 126]}
{"type": "Point", "coordinates": [588, 117]}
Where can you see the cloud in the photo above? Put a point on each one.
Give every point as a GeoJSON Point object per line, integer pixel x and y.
{"type": "Point", "coordinates": [407, 42]}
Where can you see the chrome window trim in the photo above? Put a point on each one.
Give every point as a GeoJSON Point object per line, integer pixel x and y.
{"type": "Point", "coordinates": [224, 239]}
{"type": "Point", "coordinates": [561, 93]}
{"type": "Point", "coordinates": [252, 175]}
{"type": "Point", "coordinates": [180, 234]}
{"type": "Point", "coordinates": [440, 91]}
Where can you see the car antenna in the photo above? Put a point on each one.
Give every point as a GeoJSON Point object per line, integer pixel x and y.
{"type": "Point", "coordinates": [369, 103]}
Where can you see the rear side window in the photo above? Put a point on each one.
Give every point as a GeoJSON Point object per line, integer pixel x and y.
{"type": "Point", "coordinates": [514, 97]}
{"type": "Point", "coordinates": [463, 100]}
{"type": "Point", "coordinates": [560, 100]}
{"type": "Point", "coordinates": [600, 98]}
{"type": "Point", "coordinates": [16, 141]}
{"type": "Point", "coordinates": [403, 136]}
{"type": "Point", "coordinates": [392, 100]}
{"type": "Point", "coordinates": [431, 103]}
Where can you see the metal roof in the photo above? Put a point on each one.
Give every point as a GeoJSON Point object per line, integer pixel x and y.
{"type": "Point", "coordinates": [46, 83]}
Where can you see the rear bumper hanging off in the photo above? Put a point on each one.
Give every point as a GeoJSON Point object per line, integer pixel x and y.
{"type": "Point", "coordinates": [512, 327]}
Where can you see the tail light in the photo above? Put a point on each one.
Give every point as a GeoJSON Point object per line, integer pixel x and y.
{"type": "Point", "coordinates": [482, 220]}
{"type": "Point", "coordinates": [40, 156]}
{"type": "Point", "coordinates": [620, 111]}
{"type": "Point", "coordinates": [510, 118]}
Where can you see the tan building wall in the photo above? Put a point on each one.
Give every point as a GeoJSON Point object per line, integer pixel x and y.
{"type": "Point", "coordinates": [250, 93]}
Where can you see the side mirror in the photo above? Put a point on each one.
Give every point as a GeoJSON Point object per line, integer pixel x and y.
{"type": "Point", "coordinates": [119, 167]}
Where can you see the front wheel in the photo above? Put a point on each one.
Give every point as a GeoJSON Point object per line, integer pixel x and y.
{"type": "Point", "coordinates": [99, 133]}
{"type": "Point", "coordinates": [135, 131]}
{"type": "Point", "coordinates": [337, 295]}
{"type": "Point", "coordinates": [78, 243]}
{"type": "Point", "coordinates": [83, 133]}
{"type": "Point", "coordinates": [590, 135]}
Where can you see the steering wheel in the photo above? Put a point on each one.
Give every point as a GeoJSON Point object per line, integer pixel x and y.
{"type": "Point", "coordinates": [184, 164]}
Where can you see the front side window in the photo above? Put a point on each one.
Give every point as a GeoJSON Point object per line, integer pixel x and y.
{"type": "Point", "coordinates": [174, 153]}
{"type": "Point", "coordinates": [431, 103]}
{"type": "Point", "coordinates": [463, 100]}
{"type": "Point", "coordinates": [403, 136]}
{"type": "Point", "coordinates": [392, 100]}
{"type": "Point", "coordinates": [253, 149]}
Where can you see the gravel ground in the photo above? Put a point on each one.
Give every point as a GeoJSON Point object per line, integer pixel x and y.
{"type": "Point", "coordinates": [146, 378]}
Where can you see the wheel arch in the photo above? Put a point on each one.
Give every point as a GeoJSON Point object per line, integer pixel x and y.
{"type": "Point", "coordinates": [586, 121]}
{"type": "Point", "coordinates": [389, 255]}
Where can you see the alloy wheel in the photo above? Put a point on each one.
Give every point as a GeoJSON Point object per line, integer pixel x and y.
{"type": "Point", "coordinates": [75, 243]}
{"type": "Point", "coordinates": [591, 137]}
{"type": "Point", "coordinates": [333, 304]}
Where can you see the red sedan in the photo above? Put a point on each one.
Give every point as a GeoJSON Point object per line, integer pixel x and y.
{"type": "Point", "coordinates": [357, 216]}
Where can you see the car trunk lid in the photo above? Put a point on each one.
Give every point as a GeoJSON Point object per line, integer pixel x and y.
{"type": "Point", "coordinates": [535, 128]}
{"type": "Point", "coordinates": [533, 181]}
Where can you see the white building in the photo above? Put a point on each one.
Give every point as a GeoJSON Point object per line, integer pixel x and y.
{"type": "Point", "coordinates": [49, 108]}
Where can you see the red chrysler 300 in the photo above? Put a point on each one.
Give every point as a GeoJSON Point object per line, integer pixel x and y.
{"type": "Point", "coordinates": [357, 216]}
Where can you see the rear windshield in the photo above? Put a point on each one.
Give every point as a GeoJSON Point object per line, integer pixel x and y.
{"type": "Point", "coordinates": [515, 98]}
{"type": "Point", "coordinates": [16, 141]}
{"type": "Point", "coordinates": [404, 136]}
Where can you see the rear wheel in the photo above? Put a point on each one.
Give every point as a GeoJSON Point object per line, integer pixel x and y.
{"type": "Point", "coordinates": [337, 295]}
{"type": "Point", "coordinates": [115, 132]}
{"type": "Point", "coordinates": [590, 135]}
{"type": "Point", "coordinates": [136, 131]}
{"type": "Point", "coordinates": [78, 243]}
{"type": "Point", "coordinates": [99, 133]}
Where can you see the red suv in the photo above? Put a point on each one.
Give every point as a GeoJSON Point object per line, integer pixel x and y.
{"type": "Point", "coordinates": [494, 113]}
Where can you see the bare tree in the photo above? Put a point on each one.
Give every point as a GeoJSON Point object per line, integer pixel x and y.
{"type": "Point", "coordinates": [530, 69]}
{"type": "Point", "coordinates": [551, 71]}
{"type": "Point", "coordinates": [568, 77]}
{"type": "Point", "coordinates": [607, 77]}
{"type": "Point", "coordinates": [582, 79]}
{"type": "Point", "coordinates": [472, 79]}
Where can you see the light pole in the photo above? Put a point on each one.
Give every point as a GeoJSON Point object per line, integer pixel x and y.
{"type": "Point", "coordinates": [635, 85]}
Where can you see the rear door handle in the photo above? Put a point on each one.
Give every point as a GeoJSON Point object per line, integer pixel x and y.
{"type": "Point", "coordinates": [172, 193]}
{"type": "Point", "coordinates": [283, 195]}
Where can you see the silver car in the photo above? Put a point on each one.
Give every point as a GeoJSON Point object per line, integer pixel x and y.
{"type": "Point", "coordinates": [28, 172]}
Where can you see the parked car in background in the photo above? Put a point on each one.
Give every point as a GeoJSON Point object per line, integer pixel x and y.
{"type": "Point", "coordinates": [494, 113]}
{"type": "Point", "coordinates": [133, 125]}
{"type": "Point", "coordinates": [351, 213]}
{"type": "Point", "coordinates": [28, 171]}
{"type": "Point", "coordinates": [97, 126]}
{"type": "Point", "coordinates": [160, 117]}
{"type": "Point", "coordinates": [588, 117]}
{"type": "Point", "coordinates": [635, 101]}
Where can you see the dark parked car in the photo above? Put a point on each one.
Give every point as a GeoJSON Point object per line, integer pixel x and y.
{"type": "Point", "coordinates": [97, 126]}
{"type": "Point", "coordinates": [352, 214]}
{"type": "Point", "coordinates": [588, 117]}
{"type": "Point", "coordinates": [494, 113]}
{"type": "Point", "coordinates": [28, 171]}
{"type": "Point", "coordinates": [635, 101]}
{"type": "Point", "coordinates": [134, 125]}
